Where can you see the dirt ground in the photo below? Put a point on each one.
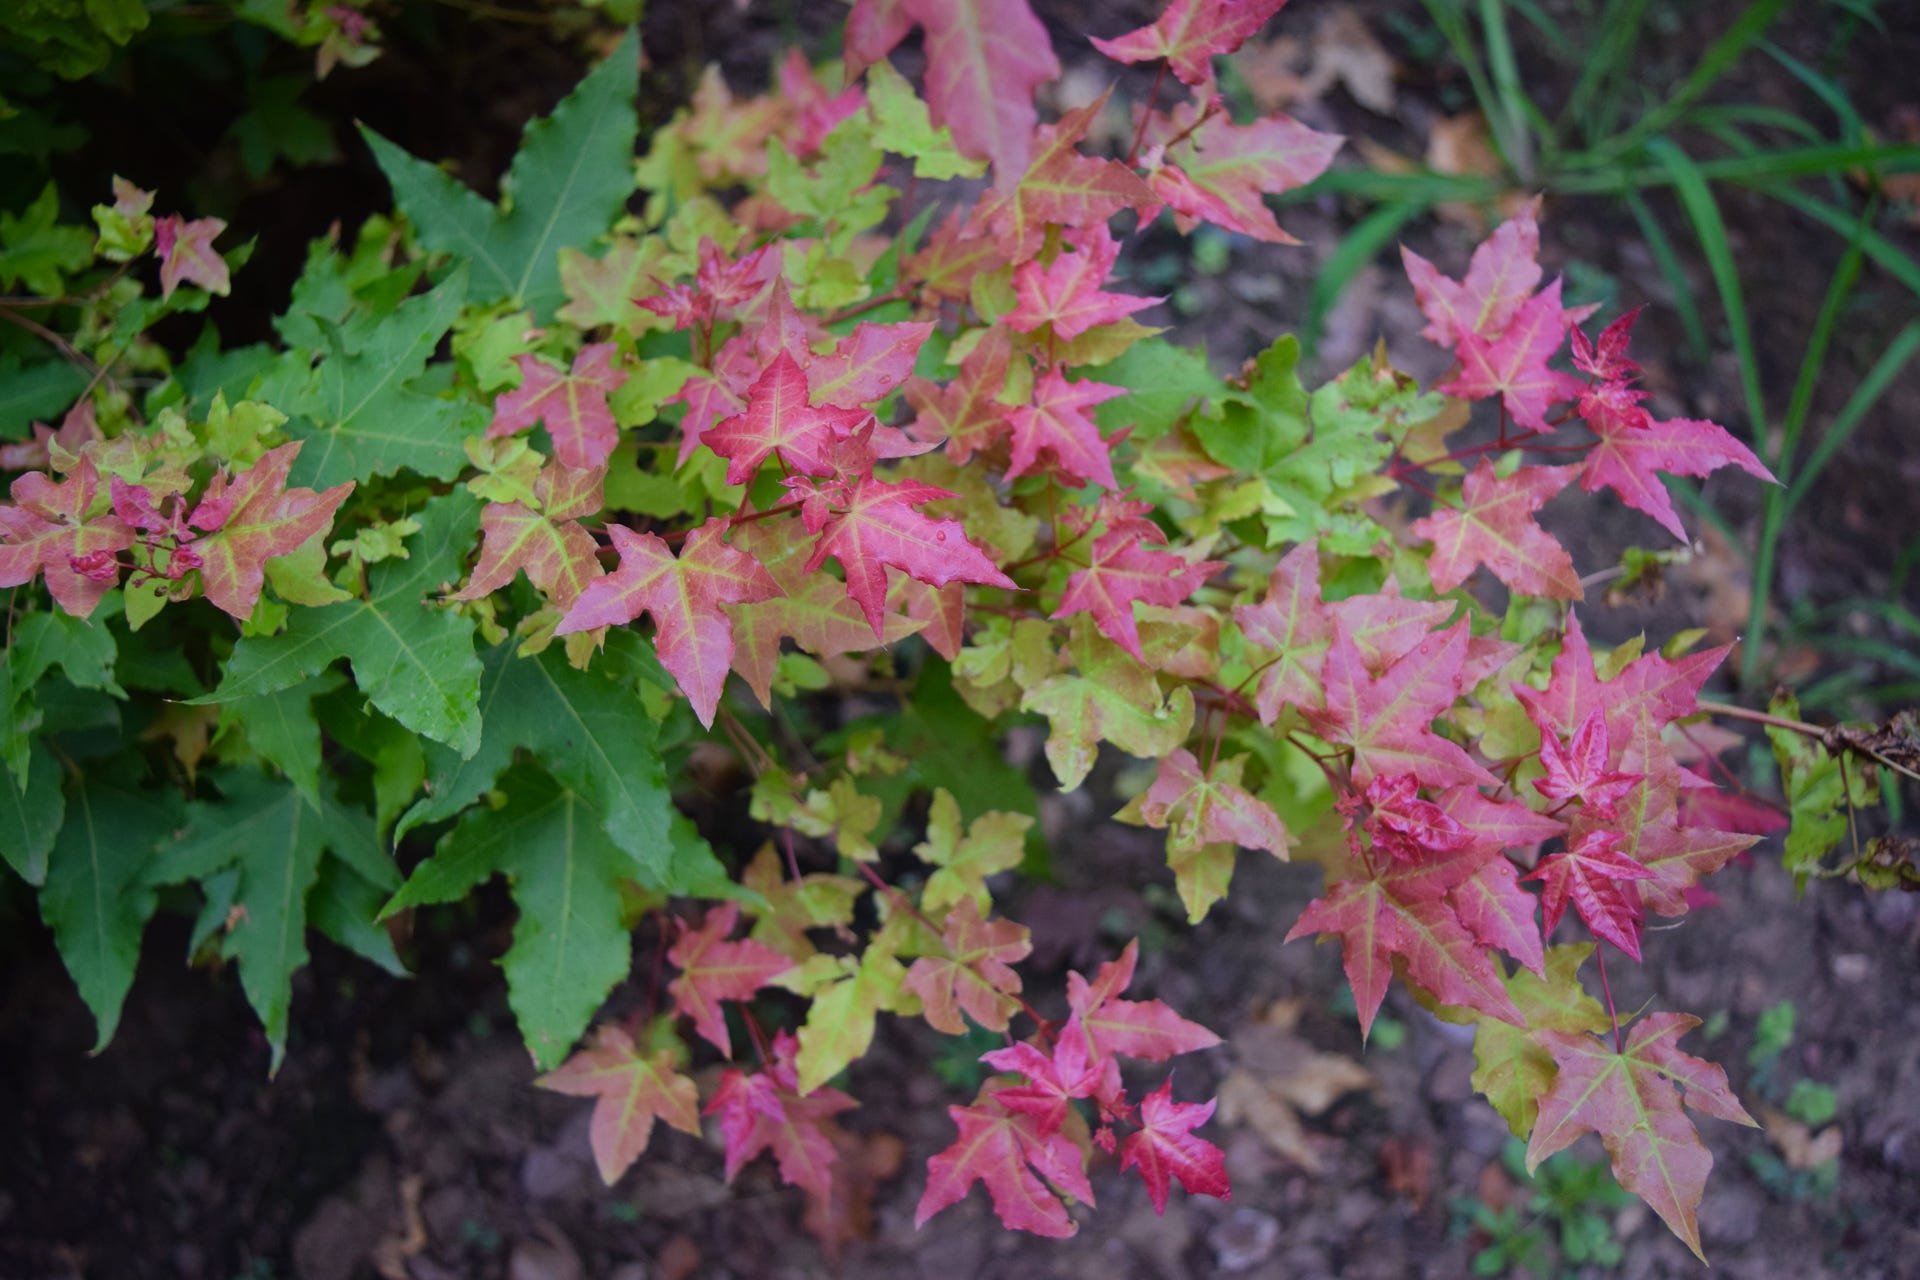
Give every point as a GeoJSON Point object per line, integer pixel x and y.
{"type": "Point", "coordinates": [403, 1138]}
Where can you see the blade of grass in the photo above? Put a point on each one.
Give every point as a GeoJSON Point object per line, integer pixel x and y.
{"type": "Point", "coordinates": [1618, 35]}
{"type": "Point", "coordinates": [1590, 173]}
{"type": "Point", "coordinates": [1719, 59]}
{"type": "Point", "coordinates": [1676, 275]}
{"type": "Point", "coordinates": [1453, 26]}
{"type": "Point", "coordinates": [1891, 364]}
{"type": "Point", "coordinates": [1422, 186]}
{"type": "Point", "coordinates": [1355, 250]}
{"type": "Point", "coordinates": [1823, 88]}
{"type": "Point", "coordinates": [1885, 254]}
{"type": "Point", "coordinates": [1512, 121]}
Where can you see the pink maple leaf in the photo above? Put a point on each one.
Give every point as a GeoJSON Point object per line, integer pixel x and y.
{"type": "Point", "coordinates": [867, 364]}
{"type": "Point", "coordinates": [1502, 275]}
{"type": "Point", "coordinates": [780, 420]}
{"type": "Point", "coordinates": [1004, 1150]}
{"type": "Point", "coordinates": [187, 254]}
{"type": "Point", "coordinates": [67, 529]}
{"type": "Point", "coordinates": [1164, 1148]}
{"type": "Point", "coordinates": [1120, 571]}
{"type": "Point", "coordinates": [1220, 172]}
{"type": "Point", "coordinates": [1136, 1028]}
{"type": "Point", "coordinates": [686, 595]}
{"type": "Point", "coordinates": [1188, 33]}
{"type": "Point", "coordinates": [1494, 526]}
{"type": "Point", "coordinates": [1514, 366]}
{"type": "Point", "coordinates": [255, 517]}
{"type": "Point", "coordinates": [712, 970]}
{"type": "Point", "coordinates": [1593, 874]}
{"type": "Point", "coordinates": [1387, 719]}
{"type": "Point", "coordinates": [1630, 454]}
{"type": "Point", "coordinates": [1067, 294]}
{"type": "Point", "coordinates": [765, 1111]}
{"type": "Point", "coordinates": [573, 405]}
{"type": "Point", "coordinates": [1578, 771]}
{"type": "Point", "coordinates": [1056, 424]}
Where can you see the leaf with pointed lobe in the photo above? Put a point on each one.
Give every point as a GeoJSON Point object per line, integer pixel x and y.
{"type": "Point", "coordinates": [66, 529]}
{"type": "Point", "coordinates": [1190, 33]}
{"type": "Point", "coordinates": [968, 411]}
{"type": "Point", "coordinates": [1145, 1029]}
{"type": "Point", "coordinates": [1629, 458]}
{"type": "Point", "coordinates": [601, 291]}
{"type": "Point", "coordinates": [880, 528]}
{"type": "Point", "coordinates": [1676, 856]}
{"type": "Point", "coordinates": [1056, 425]}
{"type": "Point", "coordinates": [1119, 572]}
{"type": "Point", "coordinates": [572, 405]}
{"type": "Point", "coordinates": [187, 254]}
{"type": "Point", "coordinates": [1386, 719]}
{"type": "Point", "coordinates": [558, 555]}
{"type": "Point", "coordinates": [956, 254]}
{"type": "Point", "coordinates": [1629, 1098]}
{"type": "Point", "coordinates": [1053, 1081]}
{"type": "Point", "coordinates": [712, 970]}
{"type": "Point", "coordinates": [902, 125]}
{"type": "Point", "coordinates": [840, 1021]}
{"type": "Point", "coordinates": [963, 861]}
{"type": "Point", "coordinates": [1291, 623]}
{"type": "Point", "coordinates": [1501, 276]}
{"type": "Point", "coordinates": [1578, 770]}
{"type": "Point", "coordinates": [767, 1111]}
{"type": "Point", "coordinates": [1511, 1067]}
{"type": "Point", "coordinates": [1164, 1148]}
{"type": "Point", "coordinates": [1112, 697]}
{"type": "Point", "coordinates": [780, 420]}
{"type": "Point", "coordinates": [1514, 365]}
{"type": "Point", "coordinates": [1500, 913]}
{"type": "Point", "coordinates": [1198, 806]}
{"type": "Point", "coordinates": [265, 519]}
{"type": "Point", "coordinates": [867, 364]}
{"type": "Point", "coordinates": [686, 595]}
{"type": "Point", "coordinates": [1593, 874]}
{"type": "Point", "coordinates": [1220, 171]}
{"type": "Point", "coordinates": [1004, 1149]}
{"type": "Point", "coordinates": [630, 1089]}
{"type": "Point", "coordinates": [984, 60]}
{"type": "Point", "coordinates": [1062, 186]}
{"type": "Point", "coordinates": [1066, 295]}
{"type": "Point", "coordinates": [1494, 526]}
{"type": "Point", "coordinates": [974, 976]}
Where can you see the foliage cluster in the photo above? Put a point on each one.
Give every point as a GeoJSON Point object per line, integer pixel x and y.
{"type": "Point", "coordinates": [286, 615]}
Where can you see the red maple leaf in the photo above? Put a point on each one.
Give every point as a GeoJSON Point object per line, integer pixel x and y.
{"type": "Point", "coordinates": [263, 519]}
{"type": "Point", "coordinates": [1630, 454]}
{"type": "Point", "coordinates": [558, 555]}
{"type": "Point", "coordinates": [1387, 719]}
{"type": "Point", "coordinates": [1164, 1148]}
{"type": "Point", "coordinates": [1136, 1028]}
{"type": "Point", "coordinates": [1004, 1149]}
{"type": "Point", "coordinates": [1120, 571]}
{"type": "Point", "coordinates": [878, 527]}
{"type": "Point", "coordinates": [1502, 275]}
{"type": "Point", "coordinates": [1593, 874]}
{"type": "Point", "coordinates": [867, 364]}
{"type": "Point", "coordinates": [573, 405]}
{"type": "Point", "coordinates": [712, 970]}
{"type": "Point", "coordinates": [1401, 824]}
{"type": "Point", "coordinates": [1649, 824]}
{"type": "Point", "coordinates": [1629, 1098]}
{"type": "Point", "coordinates": [1514, 366]}
{"type": "Point", "coordinates": [1606, 357]}
{"type": "Point", "coordinates": [1495, 527]}
{"type": "Point", "coordinates": [1189, 33]}
{"type": "Point", "coordinates": [630, 1089]}
{"type": "Point", "coordinates": [1062, 186]}
{"type": "Point", "coordinates": [815, 111]}
{"type": "Point", "coordinates": [693, 633]}
{"type": "Point", "coordinates": [780, 420]}
{"type": "Point", "coordinates": [765, 1111]}
{"type": "Point", "coordinates": [1196, 808]}
{"type": "Point", "coordinates": [968, 411]}
{"type": "Point", "coordinates": [1292, 624]}
{"type": "Point", "coordinates": [1578, 771]}
{"type": "Point", "coordinates": [1067, 294]}
{"type": "Point", "coordinates": [1056, 424]}
{"type": "Point", "coordinates": [1054, 1080]}
{"type": "Point", "coordinates": [984, 60]}
{"type": "Point", "coordinates": [67, 529]}
{"type": "Point", "coordinates": [974, 975]}
{"type": "Point", "coordinates": [1216, 171]}
{"type": "Point", "coordinates": [187, 253]}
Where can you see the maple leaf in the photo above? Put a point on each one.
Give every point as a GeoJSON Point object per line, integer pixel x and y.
{"type": "Point", "coordinates": [1189, 33]}
{"type": "Point", "coordinates": [1502, 274]}
{"type": "Point", "coordinates": [967, 412]}
{"type": "Point", "coordinates": [1591, 873]}
{"type": "Point", "coordinates": [265, 519]}
{"type": "Point", "coordinates": [1648, 822]}
{"type": "Point", "coordinates": [974, 975]}
{"type": "Point", "coordinates": [549, 544]}
{"type": "Point", "coordinates": [1164, 1148]}
{"type": "Point", "coordinates": [1578, 771]}
{"type": "Point", "coordinates": [1401, 824]}
{"type": "Point", "coordinates": [67, 529]}
{"type": "Point", "coordinates": [1513, 365]}
{"type": "Point", "coordinates": [879, 528]}
{"type": "Point", "coordinates": [1067, 294]}
{"type": "Point", "coordinates": [1113, 698]}
{"type": "Point", "coordinates": [1511, 1067]}
{"type": "Point", "coordinates": [1386, 719]}
{"type": "Point", "coordinates": [1629, 1098]}
{"type": "Point", "coordinates": [1198, 807]}
{"type": "Point", "coordinates": [765, 1111]}
{"type": "Point", "coordinates": [1136, 1028]}
{"type": "Point", "coordinates": [187, 253]}
{"type": "Point", "coordinates": [630, 1090]}
{"type": "Point", "coordinates": [995, 842]}
{"type": "Point", "coordinates": [1495, 527]}
{"type": "Point", "coordinates": [712, 970]}
{"type": "Point", "coordinates": [867, 364]}
{"type": "Point", "coordinates": [1056, 424]}
{"type": "Point", "coordinates": [1219, 171]}
{"type": "Point", "coordinates": [812, 609]}
{"type": "Point", "coordinates": [779, 420]}
{"type": "Point", "coordinates": [1629, 455]}
{"type": "Point", "coordinates": [694, 633]}
{"type": "Point", "coordinates": [1121, 571]}
{"type": "Point", "coordinates": [573, 405]}
{"type": "Point", "coordinates": [1062, 186]}
{"type": "Point", "coordinates": [1292, 624]}
{"type": "Point", "coordinates": [1003, 1149]}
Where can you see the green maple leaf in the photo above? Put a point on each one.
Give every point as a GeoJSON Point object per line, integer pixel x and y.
{"type": "Point", "coordinates": [1511, 1067]}
{"type": "Point", "coordinates": [357, 411]}
{"type": "Point", "coordinates": [30, 816]}
{"type": "Point", "coordinates": [569, 181]}
{"type": "Point", "coordinates": [1822, 790]}
{"type": "Point", "coordinates": [267, 832]}
{"type": "Point", "coordinates": [95, 899]}
{"type": "Point", "coordinates": [590, 729]}
{"type": "Point", "coordinates": [1112, 698]}
{"type": "Point", "coordinates": [839, 1026]}
{"type": "Point", "coordinates": [571, 944]}
{"type": "Point", "coordinates": [414, 659]}
{"type": "Point", "coordinates": [994, 843]}
{"type": "Point", "coordinates": [83, 649]}
{"type": "Point", "coordinates": [282, 729]}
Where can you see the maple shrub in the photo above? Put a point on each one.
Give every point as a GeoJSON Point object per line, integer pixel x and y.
{"type": "Point", "coordinates": [456, 574]}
